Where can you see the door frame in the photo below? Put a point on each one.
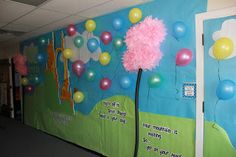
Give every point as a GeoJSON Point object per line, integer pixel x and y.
{"type": "Point", "coordinates": [199, 19]}
{"type": "Point", "coordinates": [11, 87]}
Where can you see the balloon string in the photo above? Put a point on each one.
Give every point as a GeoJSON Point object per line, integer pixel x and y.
{"type": "Point", "coordinates": [115, 71]}
{"type": "Point", "coordinates": [70, 90]}
{"type": "Point", "coordinates": [214, 120]}
{"type": "Point", "coordinates": [58, 90]}
{"type": "Point", "coordinates": [100, 67]}
{"type": "Point", "coordinates": [87, 35]}
{"type": "Point", "coordinates": [177, 91]}
{"type": "Point", "coordinates": [148, 96]}
{"type": "Point", "coordinates": [102, 97]}
{"type": "Point", "coordinates": [112, 49]}
{"type": "Point", "coordinates": [219, 70]}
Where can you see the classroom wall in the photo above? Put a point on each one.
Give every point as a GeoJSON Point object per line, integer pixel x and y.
{"type": "Point", "coordinates": [220, 4]}
{"type": "Point", "coordinates": [9, 50]}
{"type": "Point", "coordinates": [167, 113]}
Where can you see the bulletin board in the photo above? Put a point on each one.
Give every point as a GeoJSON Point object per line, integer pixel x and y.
{"type": "Point", "coordinates": [104, 121]}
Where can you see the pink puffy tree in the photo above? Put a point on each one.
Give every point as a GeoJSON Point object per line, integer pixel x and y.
{"type": "Point", "coordinates": [143, 53]}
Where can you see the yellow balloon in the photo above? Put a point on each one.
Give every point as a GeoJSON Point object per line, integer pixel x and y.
{"type": "Point", "coordinates": [135, 15]}
{"type": "Point", "coordinates": [104, 58]}
{"type": "Point", "coordinates": [67, 53]}
{"type": "Point", "coordinates": [90, 25]}
{"type": "Point", "coordinates": [223, 48]}
{"type": "Point", "coordinates": [24, 81]}
{"type": "Point", "coordinates": [78, 97]}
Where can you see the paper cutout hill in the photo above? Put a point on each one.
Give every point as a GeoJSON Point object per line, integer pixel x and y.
{"type": "Point", "coordinates": [115, 138]}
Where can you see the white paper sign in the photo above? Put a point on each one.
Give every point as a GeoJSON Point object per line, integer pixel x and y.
{"type": "Point", "coordinates": [189, 90]}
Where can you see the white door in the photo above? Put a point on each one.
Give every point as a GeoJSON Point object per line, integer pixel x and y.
{"type": "Point", "coordinates": [216, 84]}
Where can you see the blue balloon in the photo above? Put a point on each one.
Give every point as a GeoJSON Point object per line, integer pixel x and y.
{"type": "Point", "coordinates": [41, 58]}
{"type": "Point", "coordinates": [117, 24]}
{"type": "Point", "coordinates": [226, 89]}
{"type": "Point", "coordinates": [92, 44]}
{"type": "Point", "coordinates": [125, 82]}
{"type": "Point", "coordinates": [179, 29]}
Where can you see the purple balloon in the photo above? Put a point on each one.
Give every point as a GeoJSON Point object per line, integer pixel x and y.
{"type": "Point", "coordinates": [78, 67]}
{"type": "Point", "coordinates": [71, 30]}
{"type": "Point", "coordinates": [184, 57]}
{"type": "Point", "coordinates": [106, 37]}
{"type": "Point", "coordinates": [105, 83]}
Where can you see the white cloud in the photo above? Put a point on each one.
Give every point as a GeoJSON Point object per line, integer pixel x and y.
{"type": "Point", "coordinates": [227, 30]}
{"type": "Point", "coordinates": [82, 53]}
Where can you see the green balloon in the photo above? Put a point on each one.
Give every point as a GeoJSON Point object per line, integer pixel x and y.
{"type": "Point", "coordinates": [118, 43]}
{"type": "Point", "coordinates": [90, 75]}
{"type": "Point", "coordinates": [42, 41]}
{"type": "Point", "coordinates": [155, 80]}
{"type": "Point", "coordinates": [79, 41]}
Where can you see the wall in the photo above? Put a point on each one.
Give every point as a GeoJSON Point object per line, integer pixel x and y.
{"type": "Point", "coordinates": [220, 4]}
{"type": "Point", "coordinates": [9, 50]}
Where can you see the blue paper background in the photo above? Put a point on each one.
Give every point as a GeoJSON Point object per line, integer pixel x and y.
{"type": "Point", "coordinates": [163, 100]}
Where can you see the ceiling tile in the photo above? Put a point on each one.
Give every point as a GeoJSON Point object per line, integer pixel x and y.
{"type": "Point", "coordinates": [129, 3]}
{"type": "Point", "coordinates": [2, 24]}
{"type": "Point", "coordinates": [18, 27]}
{"type": "Point", "coordinates": [10, 10]}
{"type": "Point", "coordinates": [60, 24]}
{"type": "Point", "coordinates": [51, 27]}
{"type": "Point", "coordinates": [72, 6]}
{"type": "Point", "coordinates": [27, 36]}
{"type": "Point", "coordinates": [40, 17]}
{"type": "Point", "coordinates": [100, 10]}
{"type": "Point", "coordinates": [31, 2]}
{"type": "Point", "coordinates": [109, 7]}
{"type": "Point", "coordinates": [73, 19]}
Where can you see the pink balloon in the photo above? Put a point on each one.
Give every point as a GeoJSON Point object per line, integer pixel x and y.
{"type": "Point", "coordinates": [78, 67]}
{"type": "Point", "coordinates": [184, 57]}
{"type": "Point", "coordinates": [29, 89]}
{"type": "Point", "coordinates": [106, 37]}
{"type": "Point", "coordinates": [105, 83]}
{"type": "Point", "coordinates": [21, 69]}
{"type": "Point", "coordinates": [71, 30]}
{"type": "Point", "coordinates": [19, 59]}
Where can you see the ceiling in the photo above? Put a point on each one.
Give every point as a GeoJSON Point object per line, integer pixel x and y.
{"type": "Point", "coordinates": [19, 21]}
